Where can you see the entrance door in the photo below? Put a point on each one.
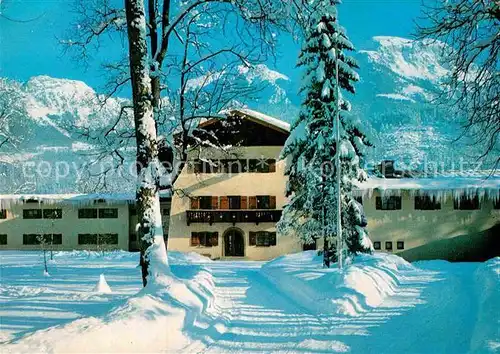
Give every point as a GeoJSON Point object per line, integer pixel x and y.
{"type": "Point", "coordinates": [234, 243]}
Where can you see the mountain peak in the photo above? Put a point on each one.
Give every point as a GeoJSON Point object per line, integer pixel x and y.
{"type": "Point", "coordinates": [409, 59]}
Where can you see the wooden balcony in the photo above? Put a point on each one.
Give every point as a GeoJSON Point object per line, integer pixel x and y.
{"type": "Point", "coordinates": [232, 216]}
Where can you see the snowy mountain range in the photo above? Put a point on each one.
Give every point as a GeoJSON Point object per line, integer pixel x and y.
{"type": "Point", "coordinates": [398, 80]}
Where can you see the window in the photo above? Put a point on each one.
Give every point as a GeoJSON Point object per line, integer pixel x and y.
{"type": "Point", "coordinates": [466, 203]}
{"type": "Point", "coordinates": [262, 238]}
{"type": "Point", "coordinates": [55, 239]}
{"type": "Point", "coordinates": [108, 213]}
{"type": "Point", "coordinates": [52, 239]}
{"type": "Point", "coordinates": [31, 239]}
{"type": "Point", "coordinates": [38, 213]}
{"type": "Point", "coordinates": [261, 165]}
{"type": "Point", "coordinates": [377, 245]}
{"type": "Point", "coordinates": [32, 201]}
{"type": "Point", "coordinates": [36, 239]}
{"type": "Point", "coordinates": [388, 203]}
{"type": "Point", "coordinates": [3, 239]}
{"type": "Point", "coordinates": [205, 202]}
{"type": "Point", "coordinates": [205, 239]}
{"type": "Point", "coordinates": [87, 239]}
{"type": "Point", "coordinates": [209, 166]}
{"type": "Point", "coordinates": [107, 239]}
{"type": "Point", "coordinates": [87, 213]}
{"type": "Point", "coordinates": [388, 245]}
{"type": "Point", "coordinates": [400, 245]}
{"type": "Point", "coordinates": [52, 213]}
{"type": "Point", "coordinates": [233, 166]}
{"type": "Point", "coordinates": [32, 213]}
{"type": "Point", "coordinates": [263, 202]}
{"type": "Point", "coordinates": [3, 214]}
{"type": "Point", "coordinates": [234, 202]}
{"type": "Point", "coordinates": [426, 202]}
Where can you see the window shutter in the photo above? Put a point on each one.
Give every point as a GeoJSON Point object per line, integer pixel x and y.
{"type": "Point", "coordinates": [224, 202]}
{"type": "Point", "coordinates": [272, 202]}
{"type": "Point", "coordinates": [195, 203]}
{"type": "Point", "coordinates": [272, 238]}
{"type": "Point", "coordinates": [244, 203]}
{"type": "Point", "coordinates": [252, 238]}
{"type": "Point", "coordinates": [252, 202]}
{"type": "Point", "coordinates": [272, 165]}
{"type": "Point", "coordinates": [378, 203]}
{"type": "Point", "coordinates": [195, 239]}
{"type": "Point", "coordinates": [215, 202]}
{"type": "Point", "coordinates": [214, 239]}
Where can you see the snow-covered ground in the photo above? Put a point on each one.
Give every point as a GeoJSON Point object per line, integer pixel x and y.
{"type": "Point", "coordinates": [379, 304]}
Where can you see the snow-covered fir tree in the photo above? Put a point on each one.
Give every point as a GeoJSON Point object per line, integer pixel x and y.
{"type": "Point", "coordinates": [311, 148]}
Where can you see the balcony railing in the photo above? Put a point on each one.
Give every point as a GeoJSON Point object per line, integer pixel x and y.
{"type": "Point", "coordinates": [232, 216]}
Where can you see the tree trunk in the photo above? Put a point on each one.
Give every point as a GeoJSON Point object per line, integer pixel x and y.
{"type": "Point", "coordinates": [45, 261]}
{"type": "Point", "coordinates": [153, 253]}
{"type": "Point", "coordinates": [326, 253]}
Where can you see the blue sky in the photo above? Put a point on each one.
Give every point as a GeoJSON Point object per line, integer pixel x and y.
{"type": "Point", "coordinates": [31, 48]}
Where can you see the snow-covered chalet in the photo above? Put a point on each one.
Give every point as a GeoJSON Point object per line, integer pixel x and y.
{"type": "Point", "coordinates": [228, 202]}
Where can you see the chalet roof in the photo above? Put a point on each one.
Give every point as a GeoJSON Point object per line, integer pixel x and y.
{"type": "Point", "coordinates": [253, 116]}
{"type": "Point", "coordinates": [262, 118]}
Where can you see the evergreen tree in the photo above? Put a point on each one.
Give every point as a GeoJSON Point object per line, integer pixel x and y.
{"type": "Point", "coordinates": [311, 148]}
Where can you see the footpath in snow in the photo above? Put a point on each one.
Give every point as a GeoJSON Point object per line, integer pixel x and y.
{"type": "Point", "coordinates": [379, 304]}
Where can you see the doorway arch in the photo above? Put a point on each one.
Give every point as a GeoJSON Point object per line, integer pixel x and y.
{"type": "Point", "coordinates": [234, 243]}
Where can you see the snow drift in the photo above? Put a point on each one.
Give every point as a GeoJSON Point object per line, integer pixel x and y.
{"type": "Point", "coordinates": [486, 334]}
{"type": "Point", "coordinates": [362, 285]}
{"type": "Point", "coordinates": [157, 319]}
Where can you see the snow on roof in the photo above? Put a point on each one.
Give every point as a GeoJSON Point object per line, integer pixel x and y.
{"type": "Point", "coordinates": [264, 118]}
{"type": "Point", "coordinates": [452, 184]}
{"type": "Point", "coordinates": [79, 199]}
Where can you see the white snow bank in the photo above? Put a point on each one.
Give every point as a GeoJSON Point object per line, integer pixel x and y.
{"type": "Point", "coordinates": [486, 335]}
{"type": "Point", "coordinates": [174, 257]}
{"type": "Point", "coordinates": [362, 285]}
{"type": "Point", "coordinates": [157, 319]}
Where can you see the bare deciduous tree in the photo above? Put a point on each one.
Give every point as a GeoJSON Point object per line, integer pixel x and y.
{"type": "Point", "coordinates": [470, 33]}
{"type": "Point", "coordinates": [192, 62]}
